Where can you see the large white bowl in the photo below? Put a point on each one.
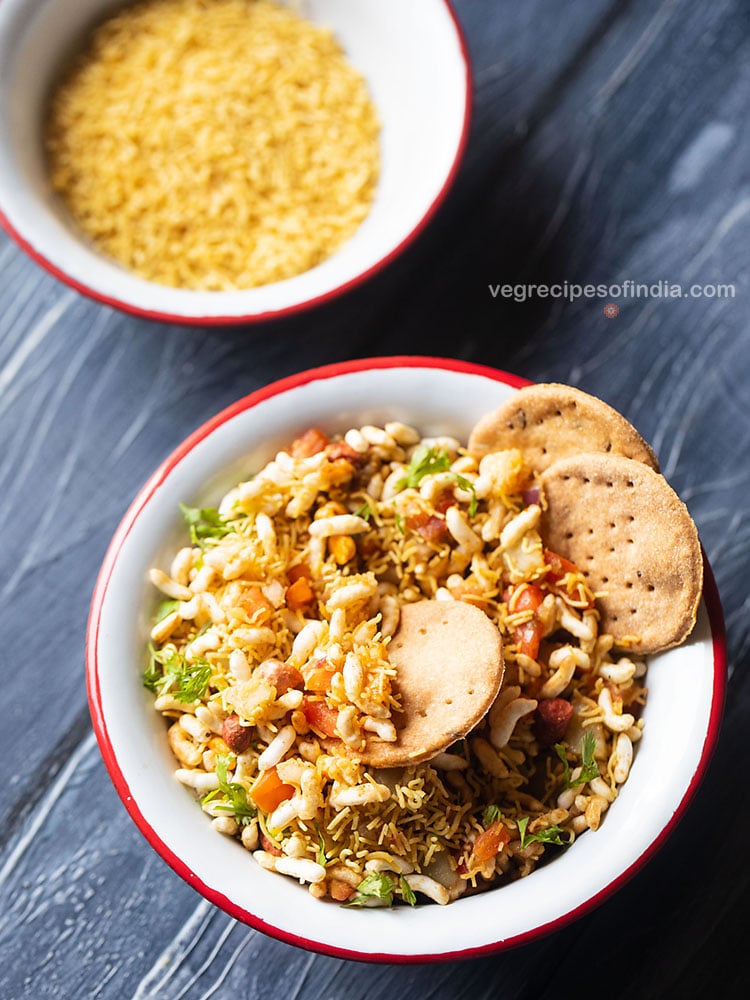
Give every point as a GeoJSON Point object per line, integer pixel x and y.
{"type": "Point", "coordinates": [686, 688]}
{"type": "Point", "coordinates": [415, 61]}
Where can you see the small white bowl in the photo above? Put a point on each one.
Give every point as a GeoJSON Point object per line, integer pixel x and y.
{"type": "Point", "coordinates": [416, 64]}
{"type": "Point", "coordinates": [682, 715]}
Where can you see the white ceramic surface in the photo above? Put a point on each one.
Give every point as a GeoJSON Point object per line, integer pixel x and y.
{"type": "Point", "coordinates": [414, 59]}
{"type": "Point", "coordinates": [682, 715]}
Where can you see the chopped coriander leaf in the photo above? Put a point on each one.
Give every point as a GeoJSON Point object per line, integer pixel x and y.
{"type": "Point", "coordinates": [424, 462]}
{"type": "Point", "coordinates": [375, 886]}
{"type": "Point", "coordinates": [322, 859]}
{"type": "Point", "coordinates": [407, 893]}
{"type": "Point", "coordinates": [204, 522]}
{"type": "Point", "coordinates": [492, 814]}
{"type": "Point", "coordinates": [234, 794]}
{"type": "Point", "coordinates": [192, 680]}
{"type": "Point", "coordinates": [589, 766]}
{"type": "Point", "coordinates": [550, 835]}
{"type": "Point", "coordinates": [467, 485]}
{"type": "Point", "coordinates": [153, 675]}
{"type": "Point", "coordinates": [165, 608]}
{"type": "Point", "coordinates": [400, 525]}
{"type": "Point", "coordinates": [365, 511]}
{"type": "Point", "coordinates": [560, 751]}
{"type": "Point", "coordinates": [169, 671]}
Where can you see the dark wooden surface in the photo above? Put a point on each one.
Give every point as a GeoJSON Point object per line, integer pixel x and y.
{"type": "Point", "coordinates": [610, 141]}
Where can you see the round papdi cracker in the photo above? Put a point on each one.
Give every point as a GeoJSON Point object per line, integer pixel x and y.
{"type": "Point", "coordinates": [550, 421]}
{"type": "Point", "coordinates": [630, 534]}
{"type": "Point", "coordinates": [449, 661]}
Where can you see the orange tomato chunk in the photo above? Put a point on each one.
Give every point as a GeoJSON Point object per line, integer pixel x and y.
{"type": "Point", "coordinates": [299, 594]}
{"type": "Point", "coordinates": [298, 570]}
{"type": "Point", "coordinates": [558, 566]}
{"type": "Point", "coordinates": [319, 678]}
{"type": "Point", "coordinates": [309, 443]}
{"type": "Point", "coordinates": [527, 638]}
{"type": "Point", "coordinates": [489, 842]}
{"type": "Point", "coordinates": [320, 717]}
{"type": "Point", "coordinates": [269, 791]}
{"type": "Point", "coordinates": [256, 605]}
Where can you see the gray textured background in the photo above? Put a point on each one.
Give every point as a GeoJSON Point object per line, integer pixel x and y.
{"type": "Point", "coordinates": [610, 140]}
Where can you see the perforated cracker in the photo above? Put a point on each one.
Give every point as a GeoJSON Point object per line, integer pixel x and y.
{"type": "Point", "coordinates": [548, 422]}
{"type": "Point", "coordinates": [627, 530]}
{"type": "Point", "coordinates": [449, 659]}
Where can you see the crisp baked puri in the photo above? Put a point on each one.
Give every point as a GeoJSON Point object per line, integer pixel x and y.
{"type": "Point", "coordinates": [548, 422]}
{"type": "Point", "coordinates": [632, 537]}
{"type": "Point", "coordinates": [449, 659]}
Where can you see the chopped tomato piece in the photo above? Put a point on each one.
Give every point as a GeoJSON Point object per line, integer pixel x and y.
{"type": "Point", "coordinates": [529, 599]}
{"type": "Point", "coordinates": [320, 717]}
{"type": "Point", "coordinates": [527, 638]}
{"type": "Point", "coordinates": [558, 566]}
{"type": "Point", "coordinates": [300, 569]}
{"type": "Point", "coordinates": [489, 842]}
{"type": "Point", "coordinates": [444, 500]}
{"type": "Point", "coordinates": [309, 443]}
{"type": "Point", "coordinates": [269, 791]}
{"type": "Point", "coordinates": [256, 605]}
{"type": "Point", "coordinates": [299, 594]}
{"type": "Point", "coordinates": [340, 449]}
{"type": "Point", "coordinates": [319, 678]}
{"type": "Point", "coordinates": [431, 527]}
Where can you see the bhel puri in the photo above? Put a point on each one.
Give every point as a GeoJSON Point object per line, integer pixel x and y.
{"type": "Point", "coordinates": [276, 661]}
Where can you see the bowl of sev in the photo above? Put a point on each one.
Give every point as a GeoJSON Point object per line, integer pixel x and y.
{"type": "Point", "coordinates": [230, 161]}
{"type": "Point", "coordinates": [204, 776]}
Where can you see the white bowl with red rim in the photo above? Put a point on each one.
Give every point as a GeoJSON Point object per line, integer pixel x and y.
{"type": "Point", "coordinates": [415, 61]}
{"type": "Point", "coordinates": [682, 715]}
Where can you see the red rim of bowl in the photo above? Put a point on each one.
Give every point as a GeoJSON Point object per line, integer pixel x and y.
{"type": "Point", "coordinates": [710, 597]}
{"type": "Point", "coordinates": [313, 301]}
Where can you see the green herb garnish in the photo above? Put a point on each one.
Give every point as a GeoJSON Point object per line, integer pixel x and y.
{"type": "Point", "coordinates": [589, 766]}
{"type": "Point", "coordinates": [407, 893]}
{"type": "Point", "coordinates": [424, 462]}
{"type": "Point", "coordinates": [234, 795]}
{"type": "Point", "coordinates": [429, 461]}
{"type": "Point", "coordinates": [169, 671]}
{"type": "Point", "coordinates": [191, 681]}
{"type": "Point", "coordinates": [165, 608]}
{"type": "Point", "coordinates": [204, 522]}
{"type": "Point", "coordinates": [375, 886]}
{"type": "Point", "coordinates": [153, 675]}
{"type": "Point", "coordinates": [322, 859]}
{"type": "Point", "coordinates": [399, 522]}
{"type": "Point", "coordinates": [467, 485]}
{"type": "Point", "coordinates": [550, 835]}
{"type": "Point", "coordinates": [365, 511]}
{"type": "Point", "coordinates": [492, 814]}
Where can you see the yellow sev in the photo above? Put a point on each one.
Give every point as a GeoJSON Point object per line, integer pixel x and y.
{"type": "Point", "coordinates": [213, 146]}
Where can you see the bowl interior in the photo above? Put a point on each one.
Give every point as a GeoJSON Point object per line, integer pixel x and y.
{"type": "Point", "coordinates": [680, 716]}
{"type": "Point", "coordinates": [413, 59]}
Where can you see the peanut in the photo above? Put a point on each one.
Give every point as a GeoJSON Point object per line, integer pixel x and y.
{"type": "Point", "coordinates": [342, 548]}
{"type": "Point", "coordinates": [236, 736]}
